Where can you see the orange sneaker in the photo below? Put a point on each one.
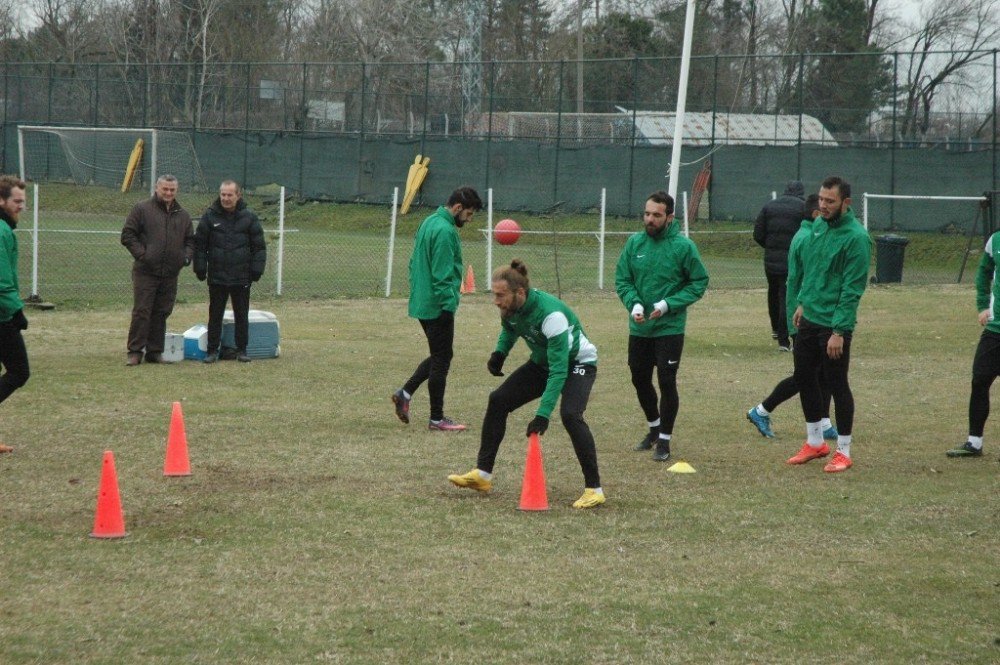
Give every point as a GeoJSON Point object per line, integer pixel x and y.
{"type": "Point", "coordinates": [5, 449]}
{"type": "Point", "coordinates": [807, 453]}
{"type": "Point", "coordinates": [840, 462]}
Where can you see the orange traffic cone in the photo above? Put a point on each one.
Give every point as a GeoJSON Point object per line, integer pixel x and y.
{"type": "Point", "coordinates": [469, 283]}
{"type": "Point", "coordinates": [176, 462]}
{"type": "Point", "coordinates": [109, 522]}
{"type": "Point", "coordinates": [533, 495]}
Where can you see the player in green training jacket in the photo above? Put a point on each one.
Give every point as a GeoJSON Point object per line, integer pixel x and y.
{"type": "Point", "coordinates": [835, 262]}
{"type": "Point", "coordinates": [435, 281]}
{"type": "Point", "coordinates": [563, 362]}
{"type": "Point", "coordinates": [986, 364]}
{"type": "Point", "coordinates": [659, 275]}
{"type": "Point", "coordinates": [13, 354]}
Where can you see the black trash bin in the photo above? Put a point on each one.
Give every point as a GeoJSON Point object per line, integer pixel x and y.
{"type": "Point", "coordinates": [889, 258]}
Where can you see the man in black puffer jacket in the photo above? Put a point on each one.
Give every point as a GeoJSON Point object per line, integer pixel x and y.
{"type": "Point", "coordinates": [229, 252]}
{"type": "Point", "coordinates": [777, 222]}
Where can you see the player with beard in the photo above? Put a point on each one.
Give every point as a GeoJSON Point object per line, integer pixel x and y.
{"type": "Point", "coordinates": [659, 275]}
{"type": "Point", "coordinates": [835, 262]}
{"type": "Point", "coordinates": [13, 354]}
{"type": "Point", "coordinates": [563, 362]}
{"type": "Point", "coordinates": [435, 281]}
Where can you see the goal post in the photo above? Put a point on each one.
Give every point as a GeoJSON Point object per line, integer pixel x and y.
{"type": "Point", "coordinates": [101, 155]}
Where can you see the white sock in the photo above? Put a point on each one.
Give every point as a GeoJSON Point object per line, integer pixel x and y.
{"type": "Point", "coordinates": [664, 437]}
{"type": "Point", "coordinates": [814, 434]}
{"type": "Point", "coordinates": [976, 441]}
{"type": "Point", "coordinates": [826, 424]}
{"type": "Point", "coordinates": [406, 395]}
{"type": "Point", "coordinates": [653, 423]}
{"type": "Point", "coordinates": [844, 444]}
{"type": "Point", "coordinates": [484, 475]}
{"type": "Point", "coordinates": [597, 490]}
{"type": "Point", "coordinates": [761, 411]}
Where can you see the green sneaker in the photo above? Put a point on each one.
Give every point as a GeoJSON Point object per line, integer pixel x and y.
{"type": "Point", "coordinates": [965, 450]}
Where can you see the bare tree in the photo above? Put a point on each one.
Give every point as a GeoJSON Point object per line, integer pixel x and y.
{"type": "Point", "coordinates": [951, 35]}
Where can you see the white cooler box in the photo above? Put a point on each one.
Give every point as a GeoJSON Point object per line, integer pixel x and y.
{"type": "Point", "coordinates": [173, 348]}
{"type": "Point", "coordinates": [265, 334]}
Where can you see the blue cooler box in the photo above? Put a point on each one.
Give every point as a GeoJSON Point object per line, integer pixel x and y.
{"type": "Point", "coordinates": [196, 342]}
{"type": "Point", "coordinates": [265, 334]}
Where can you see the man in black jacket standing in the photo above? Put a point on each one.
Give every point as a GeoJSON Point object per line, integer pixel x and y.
{"type": "Point", "coordinates": [230, 253]}
{"type": "Point", "coordinates": [777, 222]}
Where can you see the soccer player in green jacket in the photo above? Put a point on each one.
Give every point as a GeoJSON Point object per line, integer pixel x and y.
{"type": "Point", "coordinates": [563, 363]}
{"type": "Point", "coordinates": [435, 281]}
{"type": "Point", "coordinates": [13, 354]}
{"type": "Point", "coordinates": [986, 364]}
{"type": "Point", "coordinates": [659, 275]}
{"type": "Point", "coordinates": [835, 262]}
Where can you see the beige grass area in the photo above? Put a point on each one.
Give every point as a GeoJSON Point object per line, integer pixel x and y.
{"type": "Point", "coordinates": [318, 528]}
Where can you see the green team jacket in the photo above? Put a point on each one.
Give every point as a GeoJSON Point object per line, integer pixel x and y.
{"type": "Point", "coordinates": [554, 334]}
{"type": "Point", "coordinates": [835, 262]}
{"type": "Point", "coordinates": [987, 288]}
{"type": "Point", "coordinates": [664, 267]}
{"type": "Point", "coordinates": [10, 300]}
{"type": "Point", "coordinates": [435, 267]}
{"type": "Point", "coordinates": [794, 282]}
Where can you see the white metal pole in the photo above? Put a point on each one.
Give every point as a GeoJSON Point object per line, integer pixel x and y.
{"type": "Point", "coordinates": [489, 236]}
{"type": "Point", "coordinates": [34, 244]}
{"type": "Point", "coordinates": [675, 157]}
{"type": "Point", "coordinates": [864, 209]}
{"type": "Point", "coordinates": [687, 231]}
{"type": "Point", "coordinates": [600, 240]}
{"type": "Point", "coordinates": [20, 150]}
{"type": "Point", "coordinates": [152, 168]}
{"type": "Point", "coordinates": [392, 243]}
{"type": "Point", "coordinates": [281, 239]}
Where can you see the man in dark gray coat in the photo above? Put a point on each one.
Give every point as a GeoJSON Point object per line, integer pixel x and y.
{"type": "Point", "coordinates": [230, 253]}
{"type": "Point", "coordinates": [777, 222]}
{"type": "Point", "coordinates": [160, 237]}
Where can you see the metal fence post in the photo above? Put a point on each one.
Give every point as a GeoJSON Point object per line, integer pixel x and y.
{"type": "Point", "coordinates": [892, 144]}
{"type": "Point", "coordinates": [802, 103]}
{"type": "Point", "coordinates": [631, 149]}
{"type": "Point", "coordinates": [246, 128]}
{"type": "Point", "coordinates": [555, 174]}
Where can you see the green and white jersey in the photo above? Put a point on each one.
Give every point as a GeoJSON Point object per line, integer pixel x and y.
{"type": "Point", "coordinates": [987, 287]}
{"type": "Point", "coordinates": [555, 337]}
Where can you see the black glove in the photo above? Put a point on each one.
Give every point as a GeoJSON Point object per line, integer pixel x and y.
{"type": "Point", "coordinates": [255, 276]}
{"type": "Point", "coordinates": [201, 276]}
{"type": "Point", "coordinates": [446, 316]}
{"type": "Point", "coordinates": [19, 321]}
{"type": "Point", "coordinates": [538, 425]}
{"type": "Point", "coordinates": [495, 363]}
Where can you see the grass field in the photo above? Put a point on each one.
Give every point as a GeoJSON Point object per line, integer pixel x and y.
{"type": "Point", "coordinates": [341, 250]}
{"type": "Point", "coordinates": [317, 528]}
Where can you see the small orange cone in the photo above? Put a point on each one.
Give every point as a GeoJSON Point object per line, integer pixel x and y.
{"type": "Point", "coordinates": [469, 283]}
{"type": "Point", "coordinates": [109, 522]}
{"type": "Point", "coordinates": [533, 495]}
{"type": "Point", "coordinates": [176, 462]}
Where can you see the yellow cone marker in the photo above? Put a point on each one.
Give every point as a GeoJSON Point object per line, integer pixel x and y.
{"type": "Point", "coordinates": [681, 467]}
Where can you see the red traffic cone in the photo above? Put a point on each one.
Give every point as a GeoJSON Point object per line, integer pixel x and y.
{"type": "Point", "coordinates": [469, 283]}
{"type": "Point", "coordinates": [176, 462]}
{"type": "Point", "coordinates": [109, 522]}
{"type": "Point", "coordinates": [533, 495]}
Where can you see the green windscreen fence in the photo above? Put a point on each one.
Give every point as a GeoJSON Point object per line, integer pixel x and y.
{"type": "Point", "coordinates": [542, 176]}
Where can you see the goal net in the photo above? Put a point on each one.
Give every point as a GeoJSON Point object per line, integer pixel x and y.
{"type": "Point", "coordinates": [100, 156]}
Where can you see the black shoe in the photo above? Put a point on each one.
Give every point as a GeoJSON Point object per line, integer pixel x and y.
{"type": "Point", "coordinates": [242, 356]}
{"type": "Point", "coordinates": [647, 443]}
{"type": "Point", "coordinates": [662, 452]}
{"type": "Point", "coordinates": [210, 358]}
{"type": "Point", "coordinates": [965, 450]}
{"type": "Point", "coordinates": [133, 359]}
{"type": "Point", "coordinates": [154, 357]}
